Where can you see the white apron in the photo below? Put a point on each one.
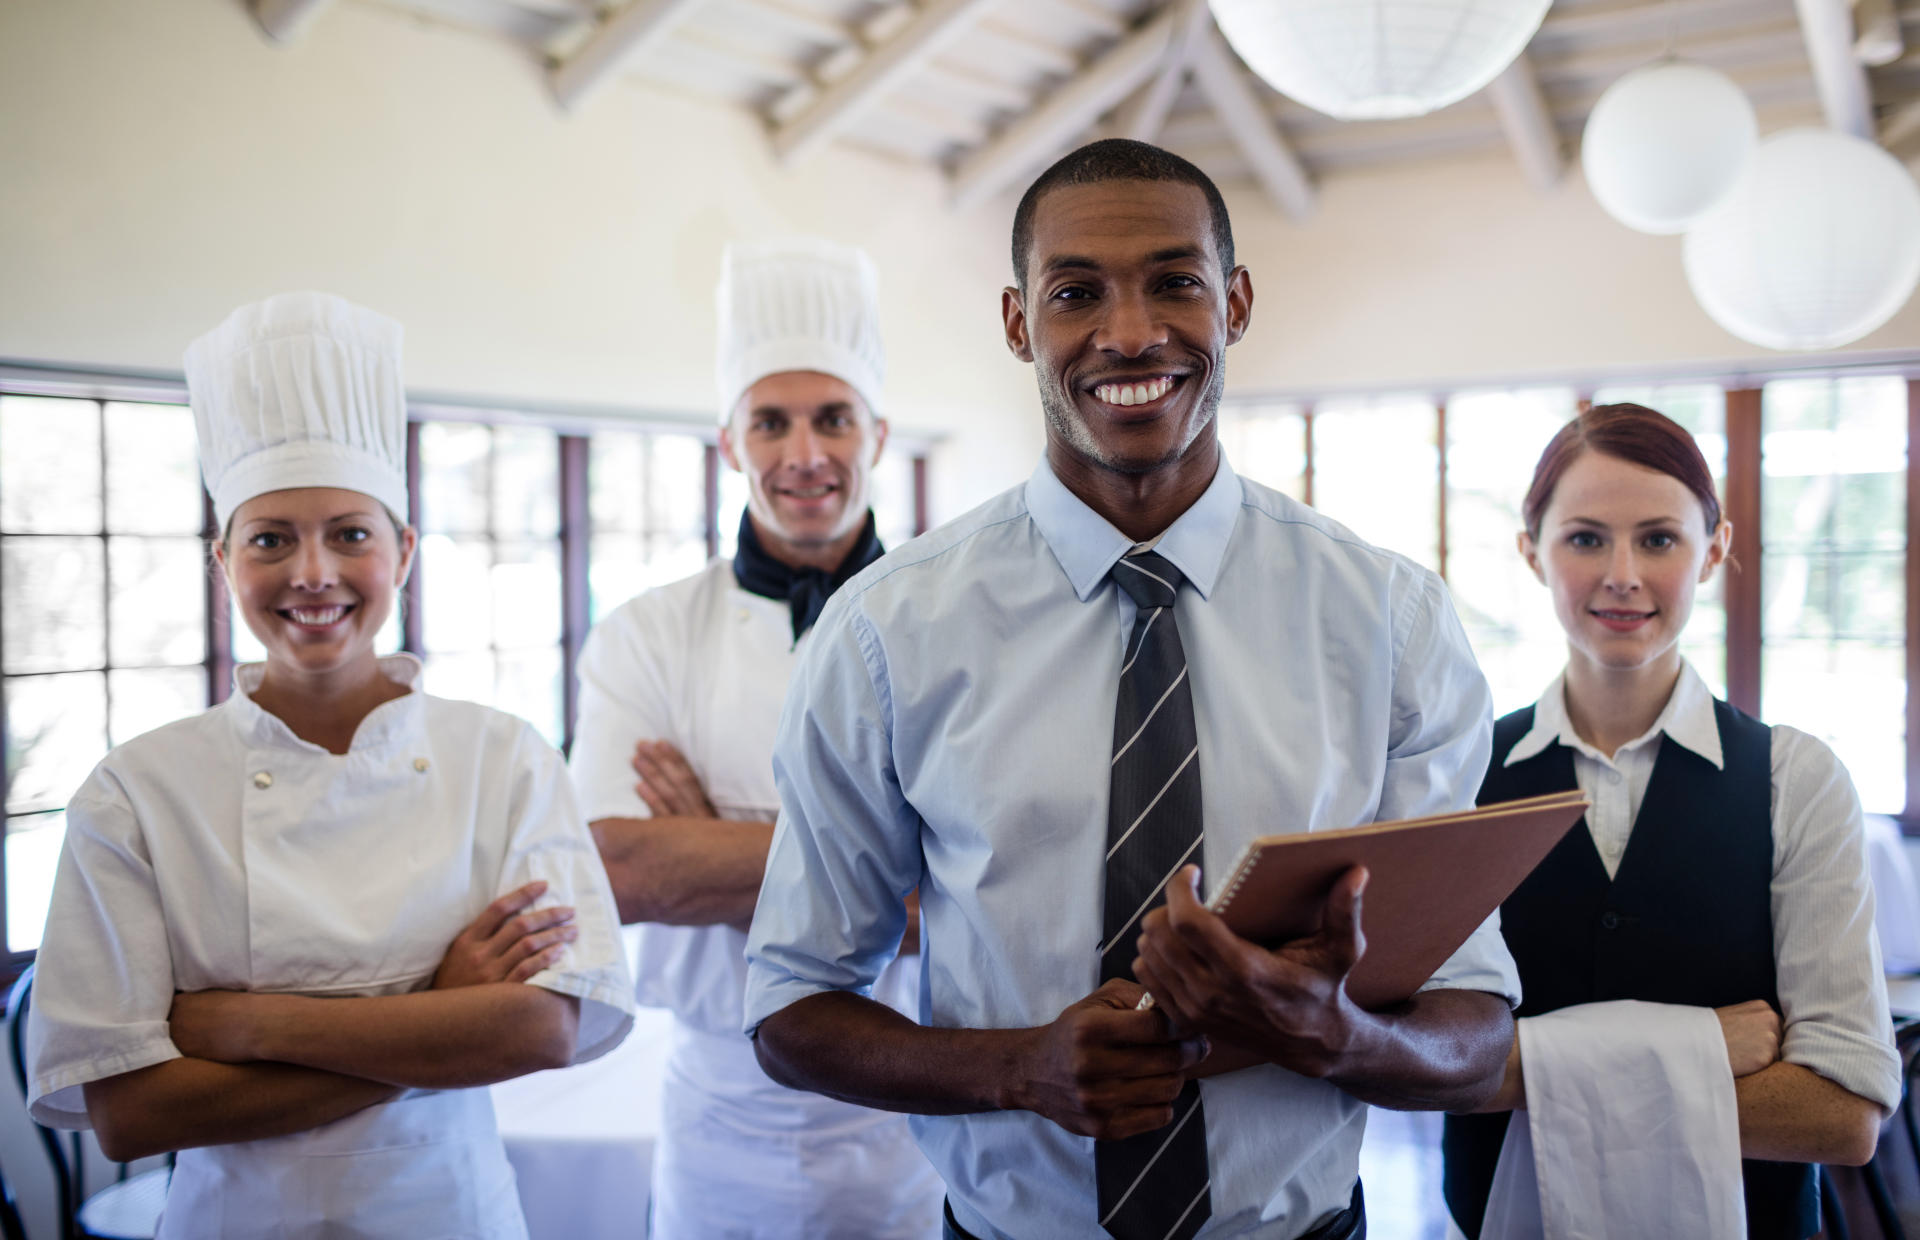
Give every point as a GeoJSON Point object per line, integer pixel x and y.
{"type": "Point", "coordinates": [704, 664]}
{"type": "Point", "coordinates": [423, 1166]}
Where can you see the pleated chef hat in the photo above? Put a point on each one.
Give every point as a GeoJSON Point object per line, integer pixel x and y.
{"type": "Point", "coordinates": [300, 390]}
{"type": "Point", "coordinates": [798, 304]}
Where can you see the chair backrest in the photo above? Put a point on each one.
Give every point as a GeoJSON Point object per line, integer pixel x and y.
{"type": "Point", "coordinates": [66, 1186]}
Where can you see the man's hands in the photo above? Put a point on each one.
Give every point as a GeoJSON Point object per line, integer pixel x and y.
{"type": "Point", "coordinates": [1289, 1005]}
{"type": "Point", "coordinates": [1103, 1069]}
{"type": "Point", "coordinates": [1752, 1030]}
{"type": "Point", "coordinates": [504, 944]}
{"type": "Point", "coordinates": [667, 782]}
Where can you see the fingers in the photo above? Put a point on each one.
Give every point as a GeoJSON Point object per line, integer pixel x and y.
{"type": "Point", "coordinates": [536, 951]}
{"type": "Point", "coordinates": [495, 915]}
{"type": "Point", "coordinates": [1345, 940]}
{"type": "Point", "coordinates": [517, 930]}
{"type": "Point", "coordinates": [664, 770]}
{"type": "Point", "coordinates": [1117, 993]}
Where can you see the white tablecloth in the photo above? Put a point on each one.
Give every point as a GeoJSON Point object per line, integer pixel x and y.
{"type": "Point", "coordinates": [581, 1139]}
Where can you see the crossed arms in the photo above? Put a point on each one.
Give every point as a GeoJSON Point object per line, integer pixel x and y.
{"type": "Point", "coordinates": [267, 1065]}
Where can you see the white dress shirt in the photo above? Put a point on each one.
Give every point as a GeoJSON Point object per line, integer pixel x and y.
{"type": "Point", "coordinates": [223, 852]}
{"type": "Point", "coordinates": [1833, 996]}
{"type": "Point", "coordinates": [951, 727]}
{"type": "Point", "coordinates": [704, 664]}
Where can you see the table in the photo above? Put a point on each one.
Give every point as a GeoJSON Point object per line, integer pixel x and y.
{"type": "Point", "coordinates": [581, 1139]}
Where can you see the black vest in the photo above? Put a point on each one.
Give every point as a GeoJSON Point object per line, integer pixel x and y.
{"type": "Point", "coordinates": [1687, 919]}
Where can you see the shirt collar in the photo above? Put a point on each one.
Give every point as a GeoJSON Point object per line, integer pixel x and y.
{"type": "Point", "coordinates": [1686, 720]}
{"type": "Point", "coordinates": [1086, 544]}
{"type": "Point", "coordinates": [386, 724]}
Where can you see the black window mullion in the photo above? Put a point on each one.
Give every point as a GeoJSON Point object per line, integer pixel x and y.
{"type": "Point", "coordinates": [219, 635]}
{"type": "Point", "coordinates": [412, 639]}
{"type": "Point", "coordinates": [712, 487]}
{"type": "Point", "coordinates": [576, 536]}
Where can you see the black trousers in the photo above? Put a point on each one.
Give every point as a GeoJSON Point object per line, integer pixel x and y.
{"type": "Point", "coordinates": [1349, 1224]}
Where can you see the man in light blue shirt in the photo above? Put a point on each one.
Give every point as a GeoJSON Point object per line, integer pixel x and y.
{"type": "Point", "coordinates": [960, 723]}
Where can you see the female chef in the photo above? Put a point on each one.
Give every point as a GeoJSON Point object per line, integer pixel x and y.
{"type": "Point", "coordinates": [252, 904]}
{"type": "Point", "coordinates": [1720, 867]}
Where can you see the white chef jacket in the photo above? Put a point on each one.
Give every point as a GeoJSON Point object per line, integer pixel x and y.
{"type": "Point", "coordinates": [704, 665]}
{"type": "Point", "coordinates": [222, 852]}
{"type": "Point", "coordinates": [1833, 994]}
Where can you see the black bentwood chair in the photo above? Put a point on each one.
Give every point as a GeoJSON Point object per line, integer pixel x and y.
{"type": "Point", "coordinates": [127, 1209]}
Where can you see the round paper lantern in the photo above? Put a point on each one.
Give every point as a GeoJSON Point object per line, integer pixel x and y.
{"type": "Point", "coordinates": [1817, 244]}
{"type": "Point", "coordinates": [1665, 143]}
{"type": "Point", "coordinates": [1374, 59]}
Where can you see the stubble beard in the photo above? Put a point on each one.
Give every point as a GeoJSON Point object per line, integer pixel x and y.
{"type": "Point", "coordinates": [1066, 423]}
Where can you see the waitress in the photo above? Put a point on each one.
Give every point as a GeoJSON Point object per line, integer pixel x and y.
{"type": "Point", "coordinates": [1718, 880]}
{"type": "Point", "coordinates": [247, 957]}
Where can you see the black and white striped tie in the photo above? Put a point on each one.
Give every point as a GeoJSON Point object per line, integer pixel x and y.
{"type": "Point", "coordinates": [1153, 1186]}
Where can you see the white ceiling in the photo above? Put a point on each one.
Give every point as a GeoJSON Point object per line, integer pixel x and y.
{"type": "Point", "coordinates": [990, 90]}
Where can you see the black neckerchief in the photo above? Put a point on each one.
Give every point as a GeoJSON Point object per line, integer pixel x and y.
{"type": "Point", "coordinates": [806, 590]}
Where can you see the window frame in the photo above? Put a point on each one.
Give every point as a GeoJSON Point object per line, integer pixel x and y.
{"type": "Point", "coordinates": [574, 428]}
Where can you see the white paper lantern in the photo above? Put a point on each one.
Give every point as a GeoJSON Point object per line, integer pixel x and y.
{"type": "Point", "coordinates": [1665, 143]}
{"type": "Point", "coordinates": [1816, 245]}
{"type": "Point", "coordinates": [1375, 59]}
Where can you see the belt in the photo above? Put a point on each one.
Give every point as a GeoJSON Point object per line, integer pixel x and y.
{"type": "Point", "coordinates": [1349, 1224]}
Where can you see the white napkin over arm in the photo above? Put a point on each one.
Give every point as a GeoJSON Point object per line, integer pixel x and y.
{"type": "Point", "coordinates": [1632, 1128]}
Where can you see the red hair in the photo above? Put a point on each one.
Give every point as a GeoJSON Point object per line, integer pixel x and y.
{"type": "Point", "coordinates": [1632, 433]}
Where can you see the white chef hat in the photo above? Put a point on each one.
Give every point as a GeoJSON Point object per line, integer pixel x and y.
{"type": "Point", "coordinates": [300, 390]}
{"type": "Point", "coordinates": [798, 304]}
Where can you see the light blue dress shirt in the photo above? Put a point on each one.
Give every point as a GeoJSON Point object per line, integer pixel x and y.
{"type": "Point", "coordinates": [950, 727]}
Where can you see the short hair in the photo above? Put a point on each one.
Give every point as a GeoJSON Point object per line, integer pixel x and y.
{"type": "Point", "coordinates": [1117, 159]}
{"type": "Point", "coordinates": [1631, 433]}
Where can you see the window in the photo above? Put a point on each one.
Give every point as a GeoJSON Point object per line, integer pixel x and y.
{"type": "Point", "coordinates": [1833, 572]}
{"type": "Point", "coordinates": [104, 570]}
{"type": "Point", "coordinates": [1494, 440]}
{"type": "Point", "coordinates": [1269, 444]}
{"type": "Point", "coordinates": [1376, 470]}
{"type": "Point", "coordinates": [648, 503]}
{"type": "Point", "coordinates": [490, 568]}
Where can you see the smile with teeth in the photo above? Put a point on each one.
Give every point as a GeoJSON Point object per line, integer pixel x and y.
{"type": "Point", "coordinates": [820, 492]}
{"type": "Point", "coordinates": [317, 617]}
{"type": "Point", "coordinates": [1125, 394]}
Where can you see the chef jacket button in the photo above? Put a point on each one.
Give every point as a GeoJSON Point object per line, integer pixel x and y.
{"type": "Point", "coordinates": [420, 764]}
{"type": "Point", "coordinates": [743, 615]}
{"type": "Point", "coordinates": [1610, 920]}
{"type": "Point", "coordinates": [263, 780]}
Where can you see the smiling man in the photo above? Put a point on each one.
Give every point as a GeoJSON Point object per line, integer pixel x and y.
{"type": "Point", "coordinates": [680, 690]}
{"type": "Point", "coordinates": [1046, 713]}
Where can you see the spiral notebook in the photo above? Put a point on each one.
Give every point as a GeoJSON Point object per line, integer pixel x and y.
{"type": "Point", "coordinates": [1431, 882]}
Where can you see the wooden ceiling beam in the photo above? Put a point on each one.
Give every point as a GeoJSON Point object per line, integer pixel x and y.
{"type": "Point", "coordinates": [1528, 123]}
{"type": "Point", "coordinates": [1217, 72]}
{"type": "Point", "coordinates": [1144, 114]}
{"type": "Point", "coordinates": [1065, 114]}
{"type": "Point", "coordinates": [1841, 79]}
{"type": "Point", "coordinates": [620, 37]}
{"type": "Point", "coordinates": [285, 20]}
{"type": "Point", "coordinates": [878, 74]}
